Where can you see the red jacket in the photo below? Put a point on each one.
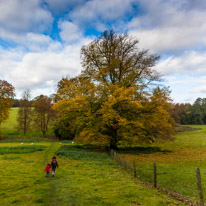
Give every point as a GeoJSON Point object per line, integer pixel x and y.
{"type": "Point", "coordinates": [47, 168]}
{"type": "Point", "coordinates": [52, 161]}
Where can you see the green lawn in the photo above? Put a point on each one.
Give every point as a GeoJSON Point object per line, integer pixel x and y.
{"type": "Point", "coordinates": [176, 162]}
{"type": "Point", "coordinates": [83, 178]}
{"type": "Point", "coordinates": [9, 127]}
{"type": "Point", "coordinates": [93, 178]}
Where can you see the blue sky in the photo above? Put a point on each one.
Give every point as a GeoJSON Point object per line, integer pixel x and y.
{"type": "Point", "coordinates": [40, 40]}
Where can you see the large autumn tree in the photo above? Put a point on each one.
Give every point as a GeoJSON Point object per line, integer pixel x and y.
{"type": "Point", "coordinates": [115, 99]}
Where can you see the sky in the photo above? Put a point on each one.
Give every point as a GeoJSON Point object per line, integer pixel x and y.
{"type": "Point", "coordinates": [40, 40]}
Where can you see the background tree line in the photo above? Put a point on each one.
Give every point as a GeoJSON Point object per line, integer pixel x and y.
{"type": "Point", "coordinates": [36, 114]}
{"type": "Point", "coordinates": [190, 114]}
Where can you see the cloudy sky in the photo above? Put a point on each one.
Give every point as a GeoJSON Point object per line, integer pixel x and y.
{"type": "Point", "coordinates": [40, 40]}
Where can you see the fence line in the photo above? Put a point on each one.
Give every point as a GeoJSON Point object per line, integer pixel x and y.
{"type": "Point", "coordinates": [189, 190]}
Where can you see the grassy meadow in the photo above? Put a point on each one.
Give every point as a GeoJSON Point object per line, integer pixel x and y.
{"type": "Point", "coordinates": [83, 178]}
{"type": "Point", "coordinates": [176, 161]}
{"type": "Point", "coordinates": [9, 127]}
{"type": "Point", "coordinates": [86, 177]}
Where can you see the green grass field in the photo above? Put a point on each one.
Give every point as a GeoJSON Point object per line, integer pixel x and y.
{"type": "Point", "coordinates": [176, 162]}
{"type": "Point", "coordinates": [9, 128]}
{"type": "Point", "coordinates": [83, 178]}
{"type": "Point", "coordinates": [90, 178]}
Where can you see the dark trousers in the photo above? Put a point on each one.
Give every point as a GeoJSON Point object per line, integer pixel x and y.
{"type": "Point", "coordinates": [53, 171]}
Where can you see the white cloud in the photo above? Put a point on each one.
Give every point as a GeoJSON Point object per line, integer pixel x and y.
{"type": "Point", "coordinates": [186, 88]}
{"type": "Point", "coordinates": [24, 16]}
{"type": "Point", "coordinates": [169, 25]}
{"type": "Point", "coordinates": [40, 71]}
{"type": "Point", "coordinates": [191, 63]}
{"type": "Point", "coordinates": [170, 39]}
{"type": "Point", "coordinates": [201, 89]}
{"type": "Point", "coordinates": [39, 62]}
{"type": "Point", "coordinates": [40, 68]}
{"type": "Point", "coordinates": [31, 41]}
{"type": "Point", "coordinates": [69, 31]}
{"type": "Point", "coordinates": [95, 10]}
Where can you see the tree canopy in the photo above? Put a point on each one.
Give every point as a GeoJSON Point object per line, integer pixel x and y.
{"type": "Point", "coordinates": [116, 99]}
{"type": "Point", "coordinates": [115, 59]}
{"type": "Point", "coordinates": [191, 114]}
{"type": "Point", "coordinates": [6, 99]}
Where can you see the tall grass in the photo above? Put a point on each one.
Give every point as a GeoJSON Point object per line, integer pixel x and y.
{"type": "Point", "coordinates": [21, 149]}
{"type": "Point", "coordinates": [80, 153]}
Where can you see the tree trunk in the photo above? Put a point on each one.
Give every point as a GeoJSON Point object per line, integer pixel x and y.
{"type": "Point", "coordinates": [0, 131]}
{"type": "Point", "coordinates": [24, 127]}
{"type": "Point", "coordinates": [44, 133]}
{"type": "Point", "coordinates": [113, 142]}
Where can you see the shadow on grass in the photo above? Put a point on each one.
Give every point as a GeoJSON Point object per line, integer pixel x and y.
{"type": "Point", "coordinates": [142, 150]}
{"type": "Point", "coordinates": [183, 128]}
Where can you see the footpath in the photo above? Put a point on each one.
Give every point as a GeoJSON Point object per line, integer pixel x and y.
{"type": "Point", "coordinates": [91, 181]}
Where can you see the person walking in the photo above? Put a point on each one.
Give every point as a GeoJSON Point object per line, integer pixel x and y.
{"type": "Point", "coordinates": [47, 169]}
{"type": "Point", "coordinates": [54, 165]}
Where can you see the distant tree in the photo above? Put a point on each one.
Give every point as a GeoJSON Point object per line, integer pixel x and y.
{"type": "Point", "coordinates": [16, 103]}
{"type": "Point", "coordinates": [43, 113]}
{"type": "Point", "coordinates": [6, 99]}
{"type": "Point", "coordinates": [25, 112]}
{"type": "Point", "coordinates": [195, 113]}
{"type": "Point", "coordinates": [178, 111]}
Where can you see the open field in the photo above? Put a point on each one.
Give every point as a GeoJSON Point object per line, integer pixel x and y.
{"type": "Point", "coordinates": [9, 127]}
{"type": "Point", "coordinates": [83, 178]}
{"type": "Point", "coordinates": [176, 161]}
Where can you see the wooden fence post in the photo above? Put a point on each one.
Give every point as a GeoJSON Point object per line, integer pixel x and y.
{"type": "Point", "coordinates": [125, 164]}
{"type": "Point", "coordinates": [199, 187]}
{"type": "Point", "coordinates": [112, 153]}
{"type": "Point", "coordinates": [118, 159]}
{"type": "Point", "coordinates": [135, 173]}
{"type": "Point", "coordinates": [115, 155]}
{"type": "Point", "coordinates": [155, 175]}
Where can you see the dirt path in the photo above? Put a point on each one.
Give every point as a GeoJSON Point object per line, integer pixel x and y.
{"type": "Point", "coordinates": [56, 181]}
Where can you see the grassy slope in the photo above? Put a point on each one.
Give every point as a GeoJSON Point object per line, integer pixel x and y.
{"type": "Point", "coordinates": [96, 181]}
{"type": "Point", "coordinates": [176, 161]}
{"type": "Point", "coordinates": [9, 127]}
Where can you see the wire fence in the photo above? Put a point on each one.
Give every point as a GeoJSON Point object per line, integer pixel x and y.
{"type": "Point", "coordinates": [183, 184]}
